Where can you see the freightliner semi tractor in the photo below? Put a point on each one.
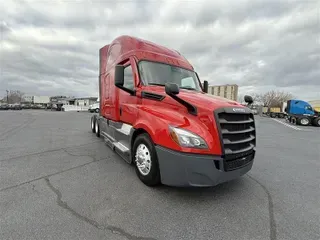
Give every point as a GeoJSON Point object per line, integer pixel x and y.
{"type": "Point", "coordinates": [156, 114]}
{"type": "Point", "coordinates": [301, 113]}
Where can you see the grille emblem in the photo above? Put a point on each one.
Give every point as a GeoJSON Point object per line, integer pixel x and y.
{"type": "Point", "coordinates": [238, 110]}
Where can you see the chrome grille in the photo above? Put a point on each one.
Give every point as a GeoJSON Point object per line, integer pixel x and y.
{"type": "Point", "coordinates": [238, 137]}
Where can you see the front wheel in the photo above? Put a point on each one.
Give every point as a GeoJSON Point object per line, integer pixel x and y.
{"type": "Point", "coordinates": [145, 160]}
{"type": "Point", "coordinates": [97, 110]}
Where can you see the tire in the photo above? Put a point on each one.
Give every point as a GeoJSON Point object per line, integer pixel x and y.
{"type": "Point", "coordinates": [97, 110]}
{"type": "Point", "coordinates": [151, 176]}
{"type": "Point", "coordinates": [316, 122]}
{"type": "Point", "coordinates": [303, 121]}
{"type": "Point", "coordinates": [93, 122]}
{"type": "Point", "coordinates": [97, 128]}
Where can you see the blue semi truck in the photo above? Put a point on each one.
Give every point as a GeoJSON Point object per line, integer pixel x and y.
{"type": "Point", "coordinates": [301, 113]}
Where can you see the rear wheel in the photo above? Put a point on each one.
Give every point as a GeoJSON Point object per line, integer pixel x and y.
{"type": "Point", "coordinates": [304, 121]}
{"type": "Point", "coordinates": [145, 160]}
{"type": "Point", "coordinates": [97, 128]}
{"type": "Point", "coordinates": [316, 122]}
{"type": "Point", "coordinates": [93, 122]}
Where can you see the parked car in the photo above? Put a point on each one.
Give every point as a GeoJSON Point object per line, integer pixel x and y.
{"type": "Point", "coordinates": [16, 107]}
{"type": "Point", "coordinates": [4, 107]}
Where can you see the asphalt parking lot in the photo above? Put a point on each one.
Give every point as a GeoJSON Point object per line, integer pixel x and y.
{"type": "Point", "coordinates": [58, 181]}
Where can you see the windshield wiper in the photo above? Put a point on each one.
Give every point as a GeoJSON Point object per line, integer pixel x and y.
{"type": "Point", "coordinates": [156, 84]}
{"type": "Point", "coordinates": [189, 88]}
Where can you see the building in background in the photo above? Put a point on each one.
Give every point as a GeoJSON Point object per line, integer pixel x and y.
{"type": "Point", "coordinates": [64, 100]}
{"type": "Point", "coordinates": [43, 100]}
{"type": "Point", "coordinates": [37, 100]}
{"type": "Point", "coordinates": [57, 102]}
{"type": "Point", "coordinates": [85, 101]}
{"type": "Point", "coordinates": [229, 91]}
{"type": "Point", "coordinates": [27, 99]}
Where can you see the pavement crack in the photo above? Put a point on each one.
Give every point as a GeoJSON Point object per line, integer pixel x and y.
{"type": "Point", "coordinates": [112, 229]}
{"type": "Point", "coordinates": [79, 155]}
{"type": "Point", "coordinates": [272, 222]}
{"type": "Point", "coordinates": [64, 205]}
{"type": "Point", "coordinates": [50, 175]}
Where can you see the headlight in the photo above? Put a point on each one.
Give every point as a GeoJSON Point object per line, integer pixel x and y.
{"type": "Point", "coordinates": [187, 139]}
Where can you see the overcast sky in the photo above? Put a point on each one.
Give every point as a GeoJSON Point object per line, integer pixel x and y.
{"type": "Point", "coordinates": [52, 48]}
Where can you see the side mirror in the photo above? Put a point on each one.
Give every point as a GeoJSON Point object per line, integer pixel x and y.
{"type": "Point", "coordinates": [119, 79]}
{"type": "Point", "coordinates": [172, 89]}
{"type": "Point", "coordinates": [205, 86]}
{"type": "Point", "coordinates": [119, 75]}
{"type": "Point", "coordinates": [248, 99]}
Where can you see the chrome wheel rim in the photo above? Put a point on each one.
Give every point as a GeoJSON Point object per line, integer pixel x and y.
{"type": "Point", "coordinates": [304, 121]}
{"type": "Point", "coordinates": [143, 159]}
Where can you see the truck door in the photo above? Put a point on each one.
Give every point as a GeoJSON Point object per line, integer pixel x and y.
{"type": "Point", "coordinates": [128, 103]}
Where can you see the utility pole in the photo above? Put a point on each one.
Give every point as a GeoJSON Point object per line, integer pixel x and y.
{"type": "Point", "coordinates": [7, 96]}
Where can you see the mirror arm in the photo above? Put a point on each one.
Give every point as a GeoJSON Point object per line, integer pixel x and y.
{"type": "Point", "coordinates": [191, 109]}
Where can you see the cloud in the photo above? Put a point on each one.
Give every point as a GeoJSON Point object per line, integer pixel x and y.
{"type": "Point", "coordinates": [52, 47]}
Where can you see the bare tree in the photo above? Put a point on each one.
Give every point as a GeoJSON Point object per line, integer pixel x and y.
{"type": "Point", "coordinates": [257, 97]}
{"type": "Point", "coordinates": [275, 98]}
{"type": "Point", "coordinates": [15, 96]}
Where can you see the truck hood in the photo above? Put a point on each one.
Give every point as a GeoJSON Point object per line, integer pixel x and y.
{"type": "Point", "coordinates": [212, 102]}
{"type": "Point", "coordinates": [198, 99]}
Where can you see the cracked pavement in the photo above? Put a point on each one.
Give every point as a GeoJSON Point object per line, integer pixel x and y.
{"type": "Point", "coordinates": [58, 181]}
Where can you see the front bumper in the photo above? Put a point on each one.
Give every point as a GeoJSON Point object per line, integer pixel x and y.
{"type": "Point", "coordinates": [194, 170]}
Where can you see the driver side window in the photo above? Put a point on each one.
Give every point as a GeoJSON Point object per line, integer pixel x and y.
{"type": "Point", "coordinates": [128, 78]}
{"type": "Point", "coordinates": [188, 82]}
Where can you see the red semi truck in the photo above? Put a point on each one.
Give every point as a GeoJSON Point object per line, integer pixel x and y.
{"type": "Point", "coordinates": [156, 114]}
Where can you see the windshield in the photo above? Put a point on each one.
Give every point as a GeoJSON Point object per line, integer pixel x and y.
{"type": "Point", "coordinates": [153, 73]}
{"type": "Point", "coordinates": [309, 108]}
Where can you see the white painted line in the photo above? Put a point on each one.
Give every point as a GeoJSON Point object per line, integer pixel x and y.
{"type": "Point", "coordinates": [286, 124]}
